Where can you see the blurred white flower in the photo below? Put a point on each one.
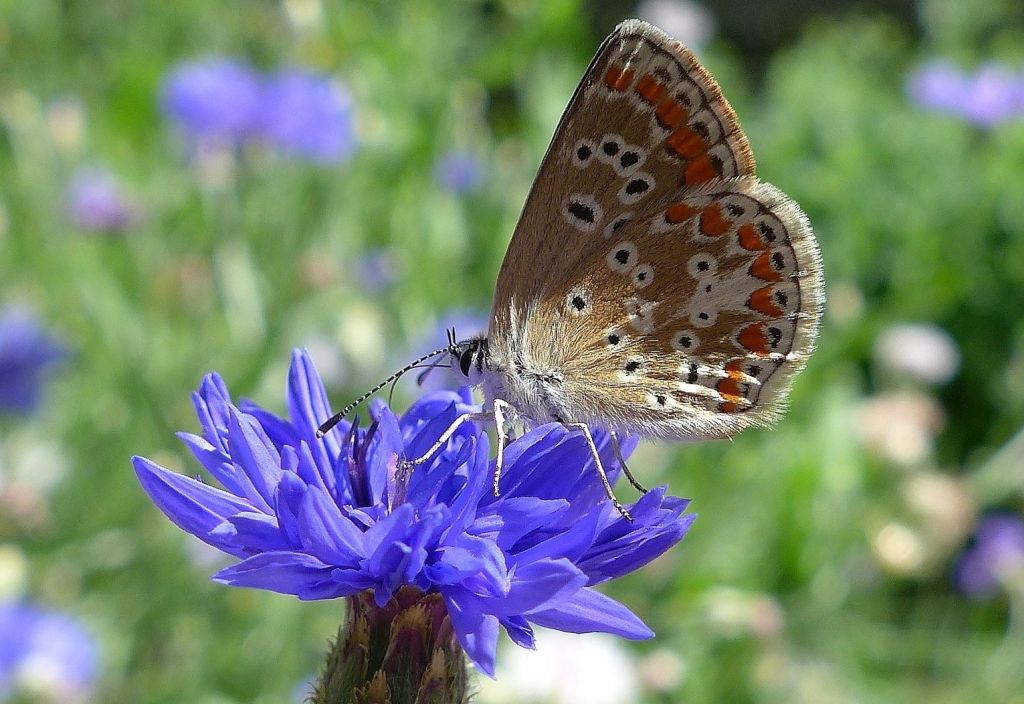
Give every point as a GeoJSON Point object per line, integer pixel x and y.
{"type": "Point", "coordinates": [662, 670]}
{"type": "Point", "coordinates": [900, 427]}
{"type": "Point", "coordinates": [13, 572]}
{"type": "Point", "coordinates": [65, 119]}
{"type": "Point", "coordinates": [688, 21]}
{"type": "Point", "coordinates": [899, 549]}
{"type": "Point", "coordinates": [735, 613]}
{"type": "Point", "coordinates": [592, 668]}
{"type": "Point", "coordinates": [304, 14]}
{"type": "Point", "coordinates": [919, 350]}
{"type": "Point", "coordinates": [944, 505]}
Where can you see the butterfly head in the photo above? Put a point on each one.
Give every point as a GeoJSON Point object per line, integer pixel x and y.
{"type": "Point", "coordinates": [469, 357]}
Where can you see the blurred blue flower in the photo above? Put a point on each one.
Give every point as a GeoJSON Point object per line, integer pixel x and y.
{"type": "Point", "coordinates": [307, 115]}
{"type": "Point", "coordinates": [45, 651]}
{"type": "Point", "coordinates": [994, 96]}
{"type": "Point", "coordinates": [332, 517]}
{"type": "Point", "coordinates": [995, 559]}
{"type": "Point", "coordinates": [296, 112]}
{"type": "Point", "coordinates": [938, 85]}
{"type": "Point", "coordinates": [459, 172]}
{"type": "Point", "coordinates": [96, 202]}
{"type": "Point", "coordinates": [987, 97]}
{"type": "Point", "coordinates": [27, 353]}
{"type": "Point", "coordinates": [377, 270]}
{"type": "Point", "coordinates": [216, 99]}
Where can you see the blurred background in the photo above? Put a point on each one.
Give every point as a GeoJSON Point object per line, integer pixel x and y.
{"type": "Point", "coordinates": [201, 185]}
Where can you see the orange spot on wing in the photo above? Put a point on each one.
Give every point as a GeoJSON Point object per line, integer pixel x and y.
{"type": "Point", "coordinates": [761, 300]}
{"type": "Point", "coordinates": [700, 170]}
{"type": "Point", "coordinates": [754, 338]}
{"type": "Point", "coordinates": [618, 79]}
{"type": "Point", "coordinates": [762, 268]}
{"type": "Point", "coordinates": [713, 223]}
{"type": "Point", "coordinates": [651, 89]}
{"type": "Point", "coordinates": [730, 388]}
{"type": "Point", "coordinates": [735, 368]}
{"type": "Point", "coordinates": [671, 114]}
{"type": "Point", "coordinates": [686, 143]}
{"type": "Point", "coordinates": [680, 212]}
{"type": "Point", "coordinates": [728, 407]}
{"type": "Point", "coordinates": [750, 239]}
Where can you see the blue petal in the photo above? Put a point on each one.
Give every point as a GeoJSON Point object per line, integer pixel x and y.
{"type": "Point", "coordinates": [381, 451]}
{"type": "Point", "coordinates": [283, 572]}
{"type": "Point", "coordinates": [191, 505]}
{"type": "Point", "coordinates": [475, 563]}
{"type": "Point", "coordinates": [477, 631]}
{"type": "Point", "coordinates": [308, 407]}
{"type": "Point", "coordinates": [518, 516]}
{"type": "Point", "coordinates": [572, 542]}
{"type": "Point", "coordinates": [326, 533]}
{"type": "Point", "coordinates": [212, 401]}
{"type": "Point", "coordinates": [253, 532]}
{"type": "Point", "coordinates": [589, 611]}
{"type": "Point", "coordinates": [252, 451]}
{"type": "Point", "coordinates": [287, 504]}
{"type": "Point", "coordinates": [519, 630]}
{"type": "Point", "coordinates": [540, 586]}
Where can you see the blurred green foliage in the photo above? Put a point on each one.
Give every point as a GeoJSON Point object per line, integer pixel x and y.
{"type": "Point", "coordinates": [819, 569]}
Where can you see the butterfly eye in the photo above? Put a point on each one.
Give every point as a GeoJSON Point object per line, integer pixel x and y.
{"type": "Point", "coordinates": [466, 360]}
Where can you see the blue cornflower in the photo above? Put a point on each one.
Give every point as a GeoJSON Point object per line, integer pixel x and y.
{"type": "Point", "coordinates": [459, 172]}
{"type": "Point", "coordinates": [96, 202]}
{"type": "Point", "coordinates": [337, 516]}
{"type": "Point", "coordinates": [307, 115]}
{"type": "Point", "coordinates": [27, 353]}
{"type": "Point", "coordinates": [45, 651]}
{"type": "Point", "coordinates": [995, 559]}
{"type": "Point", "coordinates": [987, 97]}
{"type": "Point", "coordinates": [213, 100]}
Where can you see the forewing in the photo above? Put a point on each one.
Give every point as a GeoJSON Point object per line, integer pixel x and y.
{"type": "Point", "coordinates": [646, 121]}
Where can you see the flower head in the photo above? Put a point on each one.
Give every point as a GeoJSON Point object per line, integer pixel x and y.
{"type": "Point", "coordinates": [27, 352]}
{"type": "Point", "coordinates": [989, 96]}
{"type": "Point", "coordinates": [996, 558]}
{"type": "Point", "coordinates": [96, 202]}
{"type": "Point", "coordinates": [215, 99]}
{"type": "Point", "coordinates": [45, 652]}
{"type": "Point", "coordinates": [307, 115]}
{"type": "Point", "coordinates": [337, 516]}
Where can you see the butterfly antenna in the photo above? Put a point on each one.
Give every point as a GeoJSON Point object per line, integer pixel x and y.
{"type": "Point", "coordinates": [337, 417]}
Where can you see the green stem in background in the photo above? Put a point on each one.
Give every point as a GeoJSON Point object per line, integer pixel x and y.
{"type": "Point", "coordinates": [402, 653]}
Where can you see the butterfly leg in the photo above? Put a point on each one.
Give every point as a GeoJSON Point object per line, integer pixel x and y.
{"type": "Point", "coordinates": [483, 417]}
{"type": "Point", "coordinates": [600, 468]}
{"type": "Point", "coordinates": [500, 409]}
{"type": "Point", "coordinates": [622, 463]}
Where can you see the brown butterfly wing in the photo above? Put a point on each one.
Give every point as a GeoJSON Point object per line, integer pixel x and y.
{"type": "Point", "coordinates": [672, 292]}
{"type": "Point", "coordinates": [646, 121]}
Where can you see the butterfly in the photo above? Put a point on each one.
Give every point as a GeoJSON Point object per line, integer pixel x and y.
{"type": "Point", "coordinates": [653, 284]}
